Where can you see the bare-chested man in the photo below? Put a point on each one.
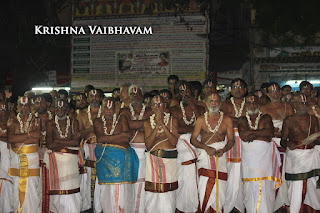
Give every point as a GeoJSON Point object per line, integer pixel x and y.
{"type": "Point", "coordinates": [278, 111]}
{"type": "Point", "coordinates": [137, 113]}
{"type": "Point", "coordinates": [235, 108]}
{"type": "Point", "coordinates": [259, 158]}
{"type": "Point", "coordinates": [302, 161]}
{"type": "Point", "coordinates": [161, 134]}
{"type": "Point", "coordinates": [213, 126]}
{"type": "Point", "coordinates": [208, 87]}
{"type": "Point", "coordinates": [117, 162]}
{"type": "Point", "coordinates": [23, 136]}
{"type": "Point", "coordinates": [5, 179]}
{"type": "Point", "coordinates": [86, 118]}
{"type": "Point", "coordinates": [172, 81]}
{"type": "Point", "coordinates": [167, 97]}
{"type": "Point", "coordinates": [63, 140]}
{"type": "Point", "coordinates": [315, 109]}
{"type": "Point", "coordinates": [41, 106]}
{"type": "Point", "coordinates": [81, 102]}
{"type": "Point", "coordinates": [306, 89]}
{"type": "Point", "coordinates": [186, 112]}
{"type": "Point", "coordinates": [124, 95]}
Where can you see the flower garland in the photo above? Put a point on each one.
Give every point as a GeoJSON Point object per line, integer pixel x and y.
{"type": "Point", "coordinates": [255, 127]}
{"type": "Point", "coordinates": [165, 121]}
{"type": "Point", "coordinates": [89, 114]}
{"type": "Point", "coordinates": [114, 124]}
{"type": "Point", "coordinates": [49, 115]}
{"type": "Point", "coordinates": [315, 112]}
{"type": "Point", "coordinates": [3, 130]}
{"type": "Point", "coordinates": [133, 114]}
{"type": "Point", "coordinates": [215, 130]}
{"type": "Point", "coordinates": [238, 113]}
{"type": "Point", "coordinates": [26, 127]}
{"type": "Point", "coordinates": [59, 129]}
{"type": "Point", "coordinates": [193, 118]}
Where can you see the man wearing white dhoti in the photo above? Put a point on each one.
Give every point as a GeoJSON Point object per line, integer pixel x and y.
{"type": "Point", "coordinates": [186, 113]}
{"type": "Point", "coordinates": [302, 160]}
{"type": "Point", "coordinates": [23, 136]}
{"type": "Point", "coordinates": [88, 144]}
{"type": "Point", "coordinates": [5, 179]}
{"type": "Point", "coordinates": [63, 139]}
{"type": "Point", "coordinates": [161, 133]}
{"type": "Point", "coordinates": [260, 160]}
{"type": "Point", "coordinates": [214, 126]}
{"type": "Point", "coordinates": [234, 107]}
{"type": "Point", "coordinates": [137, 113]}
{"type": "Point", "coordinates": [278, 111]}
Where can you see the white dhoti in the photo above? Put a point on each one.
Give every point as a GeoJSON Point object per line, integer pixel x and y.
{"type": "Point", "coordinates": [161, 181]}
{"type": "Point", "coordinates": [5, 180]}
{"type": "Point", "coordinates": [207, 179]}
{"type": "Point", "coordinates": [115, 198]}
{"type": "Point", "coordinates": [64, 180]}
{"type": "Point", "coordinates": [303, 171]}
{"type": "Point", "coordinates": [282, 192]}
{"type": "Point", "coordinates": [25, 173]}
{"type": "Point", "coordinates": [139, 191]}
{"type": "Point", "coordinates": [86, 179]}
{"type": "Point", "coordinates": [261, 175]}
{"type": "Point", "coordinates": [234, 194]}
{"type": "Point", "coordinates": [187, 194]}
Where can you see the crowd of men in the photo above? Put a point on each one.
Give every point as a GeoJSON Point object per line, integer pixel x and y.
{"type": "Point", "coordinates": [181, 149]}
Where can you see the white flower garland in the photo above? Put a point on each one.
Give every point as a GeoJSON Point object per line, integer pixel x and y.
{"type": "Point", "coordinates": [26, 127]}
{"type": "Point", "coordinates": [3, 130]}
{"type": "Point", "coordinates": [315, 112]}
{"type": "Point", "coordinates": [114, 124]}
{"type": "Point", "coordinates": [193, 118]}
{"type": "Point", "coordinates": [133, 112]}
{"type": "Point", "coordinates": [165, 121]}
{"type": "Point", "coordinates": [237, 112]}
{"type": "Point", "coordinates": [49, 114]}
{"type": "Point", "coordinates": [89, 114]}
{"type": "Point", "coordinates": [59, 129]}
{"type": "Point", "coordinates": [215, 130]}
{"type": "Point", "coordinates": [255, 127]}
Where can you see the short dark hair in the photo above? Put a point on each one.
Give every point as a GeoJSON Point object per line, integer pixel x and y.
{"type": "Point", "coordinates": [286, 86]}
{"type": "Point", "coordinates": [270, 84]}
{"type": "Point", "coordinates": [115, 89]}
{"type": "Point", "coordinates": [305, 83]}
{"type": "Point", "coordinates": [47, 97]}
{"type": "Point", "coordinates": [154, 93]}
{"type": "Point", "coordinates": [264, 85]}
{"type": "Point", "coordinates": [241, 80]}
{"type": "Point", "coordinates": [167, 91]}
{"type": "Point", "coordinates": [174, 77]}
{"type": "Point", "coordinates": [63, 92]}
{"type": "Point", "coordinates": [178, 84]}
{"type": "Point", "coordinates": [196, 85]}
{"type": "Point", "coordinates": [88, 88]}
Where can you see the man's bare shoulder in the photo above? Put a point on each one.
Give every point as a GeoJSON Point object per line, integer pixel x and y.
{"type": "Point", "coordinates": [83, 112]}
{"type": "Point", "coordinates": [227, 118]}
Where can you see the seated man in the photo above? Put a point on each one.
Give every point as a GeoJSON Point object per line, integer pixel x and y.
{"type": "Point", "coordinates": [214, 126]}
{"type": "Point", "coordinates": [117, 163]}
{"type": "Point", "coordinates": [24, 136]}
{"type": "Point", "coordinates": [63, 140]}
{"type": "Point", "coordinates": [302, 161]}
{"type": "Point", "coordinates": [260, 158]}
{"type": "Point", "coordinates": [161, 137]}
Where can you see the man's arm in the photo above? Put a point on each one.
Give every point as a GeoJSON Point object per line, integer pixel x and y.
{"type": "Point", "coordinates": [230, 135]}
{"type": "Point", "coordinates": [246, 134]}
{"type": "Point", "coordinates": [285, 133]}
{"type": "Point", "coordinates": [150, 134]}
{"type": "Point", "coordinates": [172, 137]}
{"type": "Point", "coordinates": [267, 130]}
{"type": "Point", "coordinates": [16, 138]}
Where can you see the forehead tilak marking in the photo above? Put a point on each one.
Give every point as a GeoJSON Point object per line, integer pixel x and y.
{"type": "Point", "coordinates": [183, 87]}
{"type": "Point", "coordinates": [164, 94]}
{"type": "Point", "coordinates": [109, 104]}
{"type": "Point", "coordinates": [60, 103]}
{"type": "Point", "coordinates": [157, 100]}
{"type": "Point", "coordinates": [237, 83]}
{"type": "Point", "coordinates": [209, 83]}
{"type": "Point", "coordinates": [135, 90]}
{"type": "Point", "coordinates": [94, 92]}
{"type": "Point", "coordinates": [24, 100]}
{"type": "Point", "coordinates": [38, 99]}
{"type": "Point", "coordinates": [273, 87]}
{"type": "Point", "coordinates": [251, 98]}
{"type": "Point", "coordinates": [3, 106]}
